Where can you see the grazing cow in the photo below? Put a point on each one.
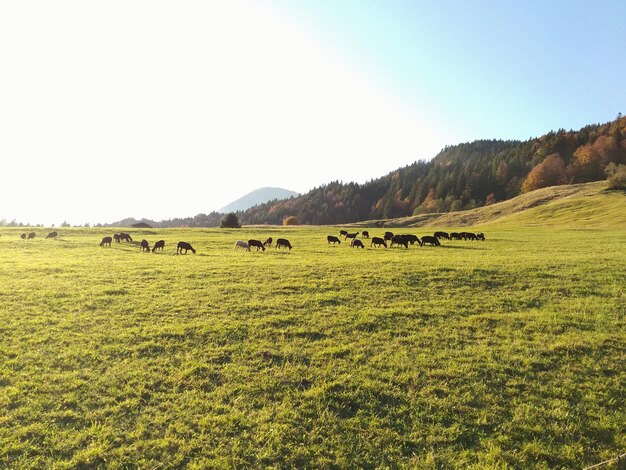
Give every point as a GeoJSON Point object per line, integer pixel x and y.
{"type": "Point", "coordinates": [144, 246]}
{"type": "Point", "coordinates": [470, 236]}
{"type": "Point", "coordinates": [455, 236]}
{"type": "Point", "coordinates": [388, 236]}
{"type": "Point", "coordinates": [283, 242]}
{"type": "Point", "coordinates": [23, 236]}
{"type": "Point", "coordinates": [365, 234]}
{"type": "Point", "coordinates": [333, 239]}
{"type": "Point", "coordinates": [412, 239]}
{"type": "Point", "coordinates": [399, 240]}
{"type": "Point", "coordinates": [125, 237]}
{"type": "Point", "coordinates": [242, 244]}
{"type": "Point", "coordinates": [184, 246]}
{"type": "Point", "coordinates": [356, 243]}
{"type": "Point", "coordinates": [480, 236]}
{"type": "Point", "coordinates": [434, 241]}
{"type": "Point", "coordinates": [52, 235]}
{"type": "Point", "coordinates": [257, 244]}
{"type": "Point", "coordinates": [160, 244]}
{"type": "Point", "coordinates": [268, 242]}
{"type": "Point", "coordinates": [351, 235]}
{"type": "Point", "coordinates": [343, 233]}
{"type": "Point", "coordinates": [377, 241]}
{"type": "Point", "coordinates": [116, 237]}
{"type": "Point", "coordinates": [31, 235]}
{"type": "Point", "coordinates": [106, 241]}
{"type": "Point", "coordinates": [442, 235]}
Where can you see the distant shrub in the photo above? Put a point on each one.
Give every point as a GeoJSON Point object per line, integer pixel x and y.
{"type": "Point", "coordinates": [291, 220]}
{"type": "Point", "coordinates": [616, 176]}
{"type": "Point", "coordinates": [230, 220]}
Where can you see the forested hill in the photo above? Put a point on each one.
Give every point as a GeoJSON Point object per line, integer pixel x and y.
{"type": "Point", "coordinates": [460, 177]}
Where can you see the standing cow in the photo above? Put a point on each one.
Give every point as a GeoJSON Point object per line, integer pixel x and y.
{"type": "Point", "coordinates": [333, 239]}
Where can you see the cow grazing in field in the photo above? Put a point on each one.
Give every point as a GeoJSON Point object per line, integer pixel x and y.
{"type": "Point", "coordinates": [158, 245]}
{"type": "Point", "coordinates": [351, 236]}
{"type": "Point", "coordinates": [343, 233]}
{"type": "Point", "coordinates": [455, 236]}
{"type": "Point", "coordinates": [31, 235]}
{"type": "Point", "coordinates": [106, 241]}
{"type": "Point", "coordinates": [242, 244]}
{"type": "Point", "coordinates": [470, 236]}
{"type": "Point", "coordinates": [412, 239]}
{"type": "Point", "coordinates": [144, 246]}
{"type": "Point", "coordinates": [116, 237]}
{"type": "Point", "coordinates": [442, 235]}
{"type": "Point", "coordinates": [283, 242]}
{"type": "Point", "coordinates": [399, 240]}
{"type": "Point", "coordinates": [268, 242]}
{"type": "Point", "coordinates": [184, 246]}
{"type": "Point", "coordinates": [356, 243]}
{"type": "Point", "coordinates": [365, 234]}
{"type": "Point", "coordinates": [480, 236]}
{"type": "Point", "coordinates": [23, 236]}
{"type": "Point", "coordinates": [257, 244]}
{"type": "Point", "coordinates": [428, 239]}
{"type": "Point", "coordinates": [52, 235]}
{"type": "Point", "coordinates": [377, 241]}
{"type": "Point", "coordinates": [388, 236]}
{"type": "Point", "coordinates": [333, 239]}
{"type": "Point", "coordinates": [125, 237]}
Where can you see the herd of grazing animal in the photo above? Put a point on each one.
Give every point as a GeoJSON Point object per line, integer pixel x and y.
{"type": "Point", "coordinates": [389, 239]}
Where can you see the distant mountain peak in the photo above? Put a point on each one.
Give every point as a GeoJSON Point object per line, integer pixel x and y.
{"type": "Point", "coordinates": [258, 196]}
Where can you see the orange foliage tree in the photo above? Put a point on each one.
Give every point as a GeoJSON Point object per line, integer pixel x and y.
{"type": "Point", "coordinates": [550, 172]}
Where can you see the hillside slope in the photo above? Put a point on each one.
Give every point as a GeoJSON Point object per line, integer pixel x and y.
{"type": "Point", "coordinates": [576, 206]}
{"type": "Point", "coordinates": [258, 196]}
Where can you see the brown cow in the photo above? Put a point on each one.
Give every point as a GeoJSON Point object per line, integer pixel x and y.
{"type": "Point", "coordinates": [184, 246]}
{"type": "Point", "coordinates": [283, 242]}
{"type": "Point", "coordinates": [160, 244]}
{"type": "Point", "coordinates": [144, 246]}
{"type": "Point", "coordinates": [257, 244]}
{"type": "Point", "coordinates": [106, 241]}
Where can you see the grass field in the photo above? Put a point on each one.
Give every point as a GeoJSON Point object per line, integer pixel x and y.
{"type": "Point", "coordinates": [507, 353]}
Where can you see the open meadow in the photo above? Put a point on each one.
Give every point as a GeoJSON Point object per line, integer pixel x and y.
{"type": "Point", "coordinates": [506, 353]}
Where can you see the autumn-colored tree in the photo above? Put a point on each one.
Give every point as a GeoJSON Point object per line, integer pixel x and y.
{"type": "Point", "coordinates": [490, 199]}
{"type": "Point", "coordinates": [550, 172]}
{"type": "Point", "coordinates": [291, 220]}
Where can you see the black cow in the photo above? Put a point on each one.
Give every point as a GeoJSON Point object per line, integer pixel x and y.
{"type": "Point", "coordinates": [356, 243]}
{"type": "Point", "coordinates": [160, 244]}
{"type": "Point", "coordinates": [434, 241]}
{"type": "Point", "coordinates": [399, 240]}
{"type": "Point", "coordinates": [377, 241]}
{"type": "Point", "coordinates": [365, 234]}
{"type": "Point", "coordinates": [412, 239]}
{"type": "Point", "coordinates": [480, 236]}
{"type": "Point", "coordinates": [31, 235]}
{"type": "Point", "coordinates": [184, 246]}
{"type": "Point", "coordinates": [52, 235]}
{"type": "Point", "coordinates": [257, 243]}
{"type": "Point", "coordinates": [470, 236]}
{"type": "Point", "coordinates": [125, 237]}
{"type": "Point", "coordinates": [333, 239]}
{"type": "Point", "coordinates": [144, 246]}
{"type": "Point", "coordinates": [442, 235]}
{"type": "Point", "coordinates": [106, 241]}
{"type": "Point", "coordinates": [283, 242]}
{"type": "Point", "coordinates": [268, 242]}
{"type": "Point", "coordinates": [388, 236]}
{"type": "Point", "coordinates": [23, 236]}
{"type": "Point", "coordinates": [351, 235]}
{"type": "Point", "coordinates": [116, 237]}
{"type": "Point", "coordinates": [455, 236]}
{"type": "Point", "coordinates": [343, 233]}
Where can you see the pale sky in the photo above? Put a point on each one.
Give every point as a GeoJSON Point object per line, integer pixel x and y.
{"type": "Point", "coordinates": [169, 109]}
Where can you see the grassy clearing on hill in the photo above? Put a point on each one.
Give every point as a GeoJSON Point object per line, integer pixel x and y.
{"type": "Point", "coordinates": [587, 205]}
{"type": "Point", "coordinates": [508, 352]}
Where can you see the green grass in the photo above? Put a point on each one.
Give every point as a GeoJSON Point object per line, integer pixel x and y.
{"type": "Point", "coordinates": [503, 353]}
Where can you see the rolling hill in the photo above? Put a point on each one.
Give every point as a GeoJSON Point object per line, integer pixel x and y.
{"type": "Point", "coordinates": [587, 205]}
{"type": "Point", "coordinates": [258, 196]}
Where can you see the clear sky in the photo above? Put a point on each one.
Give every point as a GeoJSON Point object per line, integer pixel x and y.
{"type": "Point", "coordinates": [163, 109]}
